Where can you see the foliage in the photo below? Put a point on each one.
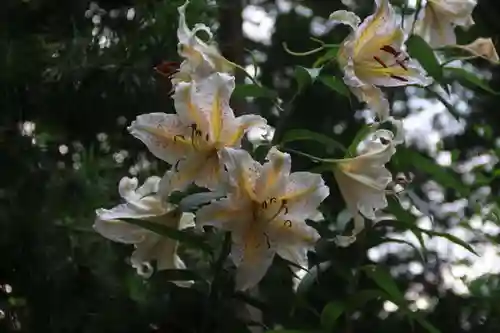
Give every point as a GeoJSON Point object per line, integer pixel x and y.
{"type": "Point", "coordinates": [75, 76]}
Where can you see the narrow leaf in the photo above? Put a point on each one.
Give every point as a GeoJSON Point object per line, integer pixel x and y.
{"type": "Point", "coordinates": [421, 51]}
{"type": "Point", "coordinates": [306, 76]}
{"type": "Point", "coordinates": [385, 282]}
{"type": "Point", "coordinates": [335, 84]}
{"type": "Point", "coordinates": [360, 136]}
{"type": "Point", "coordinates": [182, 236]}
{"type": "Point", "coordinates": [472, 79]}
{"type": "Point", "coordinates": [306, 135]}
{"type": "Point", "coordinates": [329, 55]}
{"type": "Point", "coordinates": [331, 312]}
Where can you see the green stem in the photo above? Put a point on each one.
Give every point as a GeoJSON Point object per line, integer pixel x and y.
{"type": "Point", "coordinates": [218, 268]}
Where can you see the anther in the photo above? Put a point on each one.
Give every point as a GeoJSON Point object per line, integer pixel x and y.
{"type": "Point", "coordinates": [264, 205]}
{"type": "Point", "coordinates": [273, 200]}
{"type": "Point", "coordinates": [176, 165]}
{"type": "Point", "coordinates": [178, 136]}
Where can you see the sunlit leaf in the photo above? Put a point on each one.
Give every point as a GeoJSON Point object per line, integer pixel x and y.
{"type": "Point", "coordinates": [405, 242]}
{"type": "Point", "coordinates": [470, 78]}
{"type": "Point", "coordinates": [331, 312]}
{"type": "Point", "coordinates": [335, 84]}
{"type": "Point", "coordinates": [329, 55]}
{"type": "Point", "coordinates": [451, 238]}
{"type": "Point", "coordinates": [420, 50]}
{"type": "Point", "coordinates": [182, 236]}
{"type": "Point", "coordinates": [305, 76]}
{"type": "Point", "coordinates": [306, 135]}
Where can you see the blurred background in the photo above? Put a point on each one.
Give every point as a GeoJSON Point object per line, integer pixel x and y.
{"type": "Point", "coordinates": [74, 74]}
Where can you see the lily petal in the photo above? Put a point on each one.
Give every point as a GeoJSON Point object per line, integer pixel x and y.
{"type": "Point", "coordinates": [211, 96]}
{"type": "Point", "coordinates": [243, 171]}
{"type": "Point", "coordinates": [202, 169]}
{"type": "Point", "coordinates": [118, 231]}
{"type": "Point", "coordinates": [274, 176]}
{"type": "Point", "coordinates": [164, 134]}
{"type": "Point", "coordinates": [227, 214]}
{"type": "Point", "coordinates": [252, 258]}
{"type": "Point", "coordinates": [345, 17]}
{"type": "Point", "coordinates": [363, 179]}
{"type": "Point", "coordinates": [234, 129]}
{"type": "Point", "coordinates": [303, 194]}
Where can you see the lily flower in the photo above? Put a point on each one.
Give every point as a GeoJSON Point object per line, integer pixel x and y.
{"type": "Point", "coordinates": [265, 211]}
{"type": "Point", "coordinates": [440, 17]}
{"type": "Point", "coordinates": [482, 48]}
{"type": "Point", "coordinates": [363, 179]}
{"type": "Point", "coordinates": [144, 203]}
{"type": "Point", "coordinates": [201, 58]}
{"type": "Point", "coordinates": [372, 56]}
{"type": "Point", "coordinates": [192, 139]}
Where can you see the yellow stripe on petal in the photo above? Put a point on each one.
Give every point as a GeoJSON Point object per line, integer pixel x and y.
{"type": "Point", "coordinates": [216, 117]}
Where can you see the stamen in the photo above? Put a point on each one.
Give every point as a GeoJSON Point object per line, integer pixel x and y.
{"type": "Point", "coordinates": [377, 59]}
{"type": "Point", "coordinates": [176, 166]}
{"type": "Point", "coordinates": [178, 136]}
{"type": "Point", "coordinates": [264, 205]}
{"type": "Point", "coordinates": [391, 50]}
{"type": "Point", "coordinates": [400, 78]}
{"type": "Point", "coordinates": [402, 65]}
{"type": "Point", "coordinates": [267, 240]}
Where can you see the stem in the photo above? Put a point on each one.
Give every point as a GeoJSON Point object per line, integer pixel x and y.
{"type": "Point", "coordinates": [353, 285]}
{"type": "Point", "coordinates": [284, 116]}
{"type": "Point", "coordinates": [215, 284]}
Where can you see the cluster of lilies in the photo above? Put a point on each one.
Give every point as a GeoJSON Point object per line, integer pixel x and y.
{"type": "Point", "coordinates": [265, 206]}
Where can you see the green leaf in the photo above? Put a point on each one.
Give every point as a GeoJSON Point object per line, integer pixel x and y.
{"type": "Point", "coordinates": [335, 84]}
{"type": "Point", "coordinates": [444, 176]}
{"type": "Point", "coordinates": [182, 236]}
{"type": "Point", "coordinates": [306, 76]}
{"type": "Point", "coordinates": [451, 238]}
{"type": "Point", "coordinates": [306, 135]}
{"type": "Point", "coordinates": [472, 79]}
{"type": "Point", "coordinates": [360, 136]}
{"type": "Point", "coordinates": [386, 282]}
{"type": "Point", "coordinates": [253, 90]}
{"type": "Point", "coordinates": [421, 51]}
{"type": "Point", "coordinates": [402, 241]}
{"type": "Point", "coordinates": [331, 312]}
{"type": "Point", "coordinates": [329, 55]}
{"type": "Point", "coordinates": [364, 296]}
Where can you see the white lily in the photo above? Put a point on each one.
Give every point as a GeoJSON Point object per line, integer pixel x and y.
{"type": "Point", "coordinates": [201, 58]}
{"type": "Point", "coordinates": [192, 139]}
{"type": "Point", "coordinates": [144, 203]}
{"type": "Point", "coordinates": [482, 48]}
{"type": "Point", "coordinates": [363, 179]}
{"type": "Point", "coordinates": [265, 210]}
{"type": "Point", "coordinates": [440, 17]}
{"type": "Point", "coordinates": [372, 56]}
